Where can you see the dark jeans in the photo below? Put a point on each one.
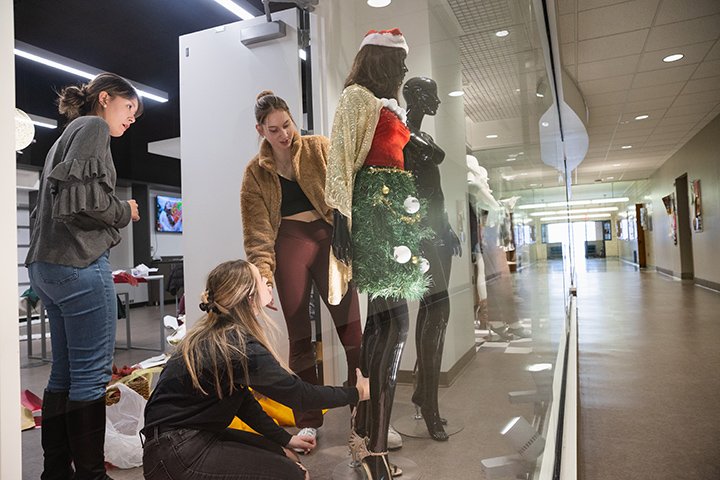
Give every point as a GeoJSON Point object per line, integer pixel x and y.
{"type": "Point", "coordinates": [82, 308]}
{"type": "Point", "coordinates": [302, 253]}
{"type": "Point", "coordinates": [184, 454]}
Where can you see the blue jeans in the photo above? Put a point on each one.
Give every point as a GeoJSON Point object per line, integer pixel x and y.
{"type": "Point", "coordinates": [82, 308]}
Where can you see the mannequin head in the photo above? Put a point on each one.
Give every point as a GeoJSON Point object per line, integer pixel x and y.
{"type": "Point", "coordinates": [421, 93]}
{"type": "Point", "coordinates": [477, 175]}
{"type": "Point", "coordinates": [379, 66]}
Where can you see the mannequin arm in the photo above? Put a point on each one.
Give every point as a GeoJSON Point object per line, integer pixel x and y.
{"type": "Point", "coordinates": [341, 241]}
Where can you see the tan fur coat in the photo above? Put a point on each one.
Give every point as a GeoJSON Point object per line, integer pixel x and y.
{"type": "Point", "coordinates": [260, 196]}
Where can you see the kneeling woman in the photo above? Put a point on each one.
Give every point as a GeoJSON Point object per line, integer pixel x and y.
{"type": "Point", "coordinates": [205, 384]}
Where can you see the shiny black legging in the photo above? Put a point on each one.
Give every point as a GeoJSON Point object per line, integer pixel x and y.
{"type": "Point", "coordinates": [432, 321]}
{"type": "Point", "coordinates": [383, 341]}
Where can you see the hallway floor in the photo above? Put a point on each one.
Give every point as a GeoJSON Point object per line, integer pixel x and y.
{"type": "Point", "coordinates": [649, 385]}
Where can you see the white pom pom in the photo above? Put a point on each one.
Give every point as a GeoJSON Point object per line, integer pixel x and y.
{"type": "Point", "coordinates": [411, 204]}
{"type": "Point", "coordinates": [402, 254]}
{"type": "Point", "coordinates": [424, 264]}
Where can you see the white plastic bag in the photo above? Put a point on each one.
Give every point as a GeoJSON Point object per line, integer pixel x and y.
{"type": "Point", "coordinates": [125, 419]}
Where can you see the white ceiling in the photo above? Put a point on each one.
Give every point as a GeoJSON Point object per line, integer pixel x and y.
{"type": "Point", "coordinates": [613, 50]}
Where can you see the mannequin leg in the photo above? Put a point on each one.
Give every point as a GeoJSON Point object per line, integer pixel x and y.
{"type": "Point", "coordinates": [430, 339]}
{"type": "Point", "coordinates": [382, 346]}
{"type": "Point", "coordinates": [432, 320]}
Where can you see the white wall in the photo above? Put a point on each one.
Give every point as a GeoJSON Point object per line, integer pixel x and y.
{"type": "Point", "coordinates": [699, 159]}
{"type": "Point", "coordinates": [219, 80]}
{"type": "Point", "coordinates": [10, 442]}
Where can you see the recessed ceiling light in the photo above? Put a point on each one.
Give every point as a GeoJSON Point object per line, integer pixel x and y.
{"type": "Point", "coordinates": [236, 9]}
{"type": "Point", "coordinates": [523, 173]}
{"type": "Point", "coordinates": [513, 155]}
{"type": "Point", "coordinates": [642, 117]}
{"type": "Point", "coordinates": [456, 93]}
{"type": "Point", "coordinates": [378, 3]}
{"type": "Point", "coordinates": [626, 147]}
{"type": "Point", "coordinates": [502, 33]}
{"type": "Point", "coordinates": [510, 159]}
{"type": "Point", "coordinates": [610, 178]}
{"type": "Point", "coordinates": [43, 121]}
{"type": "Point", "coordinates": [545, 124]}
{"type": "Point", "coordinates": [492, 135]}
{"type": "Point", "coordinates": [616, 164]}
{"type": "Point", "coordinates": [517, 90]}
{"type": "Point", "coordinates": [88, 72]}
{"type": "Point", "coordinates": [673, 58]}
{"type": "Point", "coordinates": [521, 153]}
{"type": "Point", "coordinates": [539, 95]}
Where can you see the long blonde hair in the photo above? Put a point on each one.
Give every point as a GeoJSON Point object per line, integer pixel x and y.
{"type": "Point", "coordinates": [218, 340]}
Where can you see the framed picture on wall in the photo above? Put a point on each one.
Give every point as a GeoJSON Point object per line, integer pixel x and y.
{"type": "Point", "coordinates": [696, 202]}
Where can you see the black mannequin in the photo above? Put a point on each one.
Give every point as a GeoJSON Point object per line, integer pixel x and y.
{"type": "Point", "coordinates": [422, 158]}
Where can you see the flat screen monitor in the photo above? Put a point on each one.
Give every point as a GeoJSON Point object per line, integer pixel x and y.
{"type": "Point", "coordinates": [168, 214]}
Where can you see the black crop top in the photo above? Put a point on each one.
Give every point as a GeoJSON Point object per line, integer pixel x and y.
{"type": "Point", "coordinates": [294, 199]}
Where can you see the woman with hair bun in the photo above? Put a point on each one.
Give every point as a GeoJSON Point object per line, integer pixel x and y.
{"type": "Point", "coordinates": [75, 223]}
{"type": "Point", "coordinates": [205, 385]}
{"type": "Point", "coordinates": [287, 228]}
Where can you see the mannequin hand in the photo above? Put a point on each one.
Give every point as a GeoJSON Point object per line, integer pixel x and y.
{"type": "Point", "coordinates": [341, 242]}
{"type": "Point", "coordinates": [305, 443]}
{"type": "Point", "coordinates": [363, 385]}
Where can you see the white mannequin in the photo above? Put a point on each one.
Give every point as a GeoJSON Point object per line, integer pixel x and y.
{"type": "Point", "coordinates": [477, 178]}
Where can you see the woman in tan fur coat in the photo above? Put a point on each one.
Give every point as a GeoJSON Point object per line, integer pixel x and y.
{"type": "Point", "coordinates": [287, 228]}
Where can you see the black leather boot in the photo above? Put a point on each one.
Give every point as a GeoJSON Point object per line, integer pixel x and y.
{"type": "Point", "coordinates": [54, 439]}
{"type": "Point", "coordinates": [86, 432]}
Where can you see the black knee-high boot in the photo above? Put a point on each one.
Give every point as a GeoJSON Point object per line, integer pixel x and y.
{"type": "Point", "coordinates": [86, 432]}
{"type": "Point", "coordinates": [54, 439]}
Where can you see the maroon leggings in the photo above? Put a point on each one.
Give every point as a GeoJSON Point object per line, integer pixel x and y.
{"type": "Point", "coordinates": [301, 257]}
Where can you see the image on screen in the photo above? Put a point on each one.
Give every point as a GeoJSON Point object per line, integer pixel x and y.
{"type": "Point", "coordinates": [168, 214]}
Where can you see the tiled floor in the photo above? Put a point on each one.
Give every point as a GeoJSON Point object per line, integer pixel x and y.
{"type": "Point", "coordinates": [648, 379]}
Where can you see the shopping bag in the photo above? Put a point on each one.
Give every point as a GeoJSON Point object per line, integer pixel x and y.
{"type": "Point", "coordinates": [125, 419]}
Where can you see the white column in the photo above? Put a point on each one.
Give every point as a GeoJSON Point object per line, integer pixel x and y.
{"type": "Point", "coordinates": [10, 444]}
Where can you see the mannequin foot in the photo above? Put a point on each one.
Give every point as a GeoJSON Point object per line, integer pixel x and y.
{"type": "Point", "coordinates": [442, 420]}
{"type": "Point", "coordinates": [435, 426]}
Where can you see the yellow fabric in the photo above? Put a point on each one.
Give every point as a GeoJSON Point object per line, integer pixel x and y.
{"type": "Point", "coordinates": [353, 130]}
{"type": "Point", "coordinates": [282, 415]}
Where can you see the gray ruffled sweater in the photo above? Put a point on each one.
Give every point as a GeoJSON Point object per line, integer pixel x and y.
{"type": "Point", "coordinates": [78, 216]}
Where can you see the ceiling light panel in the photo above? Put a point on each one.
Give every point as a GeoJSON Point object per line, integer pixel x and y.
{"type": "Point", "coordinates": [491, 68]}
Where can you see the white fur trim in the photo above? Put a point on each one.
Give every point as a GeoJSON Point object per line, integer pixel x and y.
{"type": "Point", "coordinates": [392, 105]}
{"type": "Point", "coordinates": [385, 39]}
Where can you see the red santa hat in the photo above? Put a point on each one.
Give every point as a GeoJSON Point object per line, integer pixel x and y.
{"type": "Point", "coordinates": [385, 38]}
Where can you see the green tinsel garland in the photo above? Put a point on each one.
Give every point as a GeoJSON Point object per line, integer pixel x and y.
{"type": "Point", "coordinates": [379, 224]}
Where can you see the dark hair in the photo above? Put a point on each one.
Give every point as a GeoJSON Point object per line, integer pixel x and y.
{"type": "Point", "coordinates": [74, 101]}
{"type": "Point", "coordinates": [379, 69]}
{"type": "Point", "coordinates": [267, 102]}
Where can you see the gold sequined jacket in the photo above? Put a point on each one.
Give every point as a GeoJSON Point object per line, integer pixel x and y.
{"type": "Point", "coordinates": [353, 129]}
{"type": "Point", "coordinates": [261, 196]}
